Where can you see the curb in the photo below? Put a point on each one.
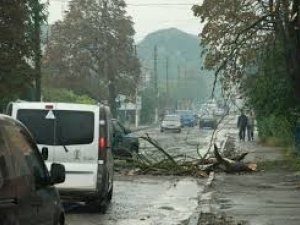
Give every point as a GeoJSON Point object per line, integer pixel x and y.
{"type": "Point", "coordinates": [204, 206]}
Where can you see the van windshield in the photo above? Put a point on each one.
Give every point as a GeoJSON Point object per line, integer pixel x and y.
{"type": "Point", "coordinates": [66, 127]}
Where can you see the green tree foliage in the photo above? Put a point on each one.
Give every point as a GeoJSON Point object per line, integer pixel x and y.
{"type": "Point", "coordinates": [17, 46]}
{"type": "Point", "coordinates": [270, 93]}
{"type": "Point", "coordinates": [91, 51]}
{"type": "Point", "coordinates": [148, 106]}
{"type": "Point", "coordinates": [64, 95]}
{"type": "Point", "coordinates": [236, 31]}
{"type": "Point", "coordinates": [242, 36]}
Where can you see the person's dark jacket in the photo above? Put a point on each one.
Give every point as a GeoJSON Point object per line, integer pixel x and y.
{"type": "Point", "coordinates": [242, 121]}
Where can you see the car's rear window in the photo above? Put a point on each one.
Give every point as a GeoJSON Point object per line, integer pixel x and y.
{"type": "Point", "coordinates": [172, 118]}
{"type": "Point", "coordinates": [59, 127]}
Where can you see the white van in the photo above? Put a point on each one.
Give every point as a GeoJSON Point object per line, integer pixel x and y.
{"type": "Point", "coordinates": [77, 136]}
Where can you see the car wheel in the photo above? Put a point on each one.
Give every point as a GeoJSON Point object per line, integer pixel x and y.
{"type": "Point", "coordinates": [161, 130]}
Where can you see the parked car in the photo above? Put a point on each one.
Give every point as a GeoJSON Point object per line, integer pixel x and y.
{"type": "Point", "coordinates": [188, 118]}
{"type": "Point", "coordinates": [125, 143]}
{"type": "Point", "coordinates": [171, 122]}
{"type": "Point", "coordinates": [219, 112]}
{"type": "Point", "coordinates": [27, 191]}
{"type": "Point", "coordinates": [208, 120]}
{"type": "Point", "coordinates": [78, 136]}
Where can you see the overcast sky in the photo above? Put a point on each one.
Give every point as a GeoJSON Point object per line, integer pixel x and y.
{"type": "Point", "coordinates": [147, 16]}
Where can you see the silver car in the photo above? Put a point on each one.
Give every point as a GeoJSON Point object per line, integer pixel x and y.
{"type": "Point", "coordinates": [172, 123]}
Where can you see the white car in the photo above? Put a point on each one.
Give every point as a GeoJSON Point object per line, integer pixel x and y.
{"type": "Point", "coordinates": [171, 122]}
{"type": "Point", "coordinates": [79, 137]}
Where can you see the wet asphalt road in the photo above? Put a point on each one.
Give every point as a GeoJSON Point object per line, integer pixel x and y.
{"type": "Point", "coordinates": [152, 200]}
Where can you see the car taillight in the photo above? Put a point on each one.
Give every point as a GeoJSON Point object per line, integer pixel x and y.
{"type": "Point", "coordinates": [102, 147]}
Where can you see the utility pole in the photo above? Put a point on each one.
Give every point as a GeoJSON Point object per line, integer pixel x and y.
{"type": "Point", "coordinates": [137, 102]}
{"type": "Point", "coordinates": [167, 79]}
{"type": "Point", "coordinates": [178, 85]}
{"type": "Point", "coordinates": [37, 19]}
{"type": "Point", "coordinates": [178, 75]}
{"type": "Point", "coordinates": [155, 83]}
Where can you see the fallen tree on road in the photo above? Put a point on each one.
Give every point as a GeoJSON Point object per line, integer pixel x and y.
{"type": "Point", "coordinates": [180, 165]}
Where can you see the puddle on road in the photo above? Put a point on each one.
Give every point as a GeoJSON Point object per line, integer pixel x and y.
{"type": "Point", "coordinates": [147, 201]}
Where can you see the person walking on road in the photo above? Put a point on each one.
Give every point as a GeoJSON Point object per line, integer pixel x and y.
{"type": "Point", "coordinates": [242, 125]}
{"type": "Point", "coordinates": [250, 127]}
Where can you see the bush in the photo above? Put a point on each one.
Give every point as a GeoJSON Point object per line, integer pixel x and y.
{"type": "Point", "coordinates": [65, 95]}
{"type": "Point", "coordinates": [276, 127]}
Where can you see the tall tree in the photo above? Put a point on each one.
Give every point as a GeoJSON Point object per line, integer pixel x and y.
{"type": "Point", "coordinates": [237, 32]}
{"type": "Point", "coordinates": [91, 51]}
{"type": "Point", "coordinates": [17, 47]}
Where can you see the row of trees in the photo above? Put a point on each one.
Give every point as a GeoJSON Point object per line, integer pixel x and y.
{"type": "Point", "coordinates": [19, 46]}
{"type": "Point", "coordinates": [255, 45]}
{"type": "Point", "coordinates": [91, 51]}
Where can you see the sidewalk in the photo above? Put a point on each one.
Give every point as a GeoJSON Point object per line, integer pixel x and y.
{"type": "Point", "coordinates": [261, 198]}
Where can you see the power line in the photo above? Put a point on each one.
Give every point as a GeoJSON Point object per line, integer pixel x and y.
{"type": "Point", "coordinates": [143, 4]}
{"type": "Point", "coordinates": [160, 4]}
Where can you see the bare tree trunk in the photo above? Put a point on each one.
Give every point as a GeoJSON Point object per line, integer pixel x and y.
{"type": "Point", "coordinates": [112, 98]}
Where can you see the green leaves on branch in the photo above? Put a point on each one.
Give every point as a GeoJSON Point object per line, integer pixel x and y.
{"type": "Point", "coordinates": [17, 45]}
{"type": "Point", "coordinates": [64, 95]}
{"type": "Point", "coordinates": [92, 50]}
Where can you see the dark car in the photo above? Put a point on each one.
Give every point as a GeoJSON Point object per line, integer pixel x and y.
{"type": "Point", "coordinates": [27, 191]}
{"type": "Point", "coordinates": [188, 120]}
{"type": "Point", "coordinates": [208, 120]}
{"type": "Point", "coordinates": [125, 143]}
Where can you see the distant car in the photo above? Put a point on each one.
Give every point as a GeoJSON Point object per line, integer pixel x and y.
{"type": "Point", "coordinates": [171, 122]}
{"type": "Point", "coordinates": [188, 118]}
{"type": "Point", "coordinates": [27, 191]}
{"type": "Point", "coordinates": [125, 143]}
{"type": "Point", "coordinates": [208, 120]}
{"type": "Point", "coordinates": [219, 112]}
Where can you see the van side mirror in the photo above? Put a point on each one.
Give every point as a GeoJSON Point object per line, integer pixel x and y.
{"type": "Point", "coordinates": [58, 173]}
{"type": "Point", "coordinates": [45, 153]}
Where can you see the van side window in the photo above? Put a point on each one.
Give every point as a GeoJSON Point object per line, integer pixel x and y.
{"type": "Point", "coordinates": [25, 154]}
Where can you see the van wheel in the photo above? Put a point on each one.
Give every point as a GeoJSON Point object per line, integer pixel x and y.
{"type": "Point", "coordinates": [110, 194]}
{"type": "Point", "coordinates": [99, 206]}
{"type": "Point", "coordinates": [105, 203]}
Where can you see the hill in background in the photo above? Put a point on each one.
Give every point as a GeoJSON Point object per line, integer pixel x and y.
{"type": "Point", "coordinates": [184, 54]}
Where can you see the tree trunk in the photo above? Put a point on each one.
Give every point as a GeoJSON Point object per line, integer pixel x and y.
{"type": "Point", "coordinates": [112, 99]}
{"type": "Point", "coordinates": [37, 51]}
